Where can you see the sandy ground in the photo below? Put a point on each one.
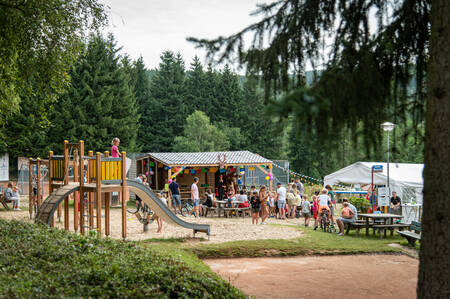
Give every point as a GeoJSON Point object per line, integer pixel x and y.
{"type": "Point", "coordinates": [222, 229]}
{"type": "Point", "coordinates": [352, 276]}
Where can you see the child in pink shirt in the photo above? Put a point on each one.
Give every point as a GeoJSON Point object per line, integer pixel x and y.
{"type": "Point", "coordinates": [115, 148]}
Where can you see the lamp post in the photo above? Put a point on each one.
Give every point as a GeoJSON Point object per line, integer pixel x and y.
{"type": "Point", "coordinates": [388, 127]}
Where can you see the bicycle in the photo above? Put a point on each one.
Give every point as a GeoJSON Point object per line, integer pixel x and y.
{"type": "Point", "coordinates": [325, 221]}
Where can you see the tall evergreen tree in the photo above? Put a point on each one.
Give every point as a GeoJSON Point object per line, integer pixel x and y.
{"type": "Point", "coordinates": [167, 110]}
{"type": "Point", "coordinates": [196, 86]}
{"type": "Point", "coordinates": [99, 105]}
{"type": "Point", "coordinates": [140, 84]}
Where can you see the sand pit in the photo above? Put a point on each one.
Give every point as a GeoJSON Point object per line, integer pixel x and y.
{"type": "Point", "coordinates": [222, 229]}
{"type": "Point", "coordinates": [352, 276]}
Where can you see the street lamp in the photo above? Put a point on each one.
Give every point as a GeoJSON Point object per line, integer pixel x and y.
{"type": "Point", "coordinates": [387, 127]}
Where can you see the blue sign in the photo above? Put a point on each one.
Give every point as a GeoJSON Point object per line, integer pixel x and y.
{"type": "Point", "coordinates": [377, 168]}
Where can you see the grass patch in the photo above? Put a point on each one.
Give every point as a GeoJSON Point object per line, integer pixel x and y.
{"type": "Point", "coordinates": [37, 261]}
{"type": "Point", "coordinates": [311, 243]}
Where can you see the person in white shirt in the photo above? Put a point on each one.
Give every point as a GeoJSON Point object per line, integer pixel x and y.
{"type": "Point", "coordinates": [281, 200]}
{"type": "Point", "coordinates": [195, 197]}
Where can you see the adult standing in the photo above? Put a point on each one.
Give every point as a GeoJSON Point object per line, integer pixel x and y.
{"type": "Point", "coordinates": [396, 204]}
{"type": "Point", "coordinates": [300, 188]}
{"type": "Point", "coordinates": [263, 203]}
{"type": "Point", "coordinates": [281, 200]}
{"type": "Point", "coordinates": [221, 187]}
{"type": "Point", "coordinates": [195, 197]}
{"type": "Point", "coordinates": [175, 193]}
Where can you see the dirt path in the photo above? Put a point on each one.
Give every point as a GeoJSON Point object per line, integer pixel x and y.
{"type": "Point", "coordinates": [352, 276]}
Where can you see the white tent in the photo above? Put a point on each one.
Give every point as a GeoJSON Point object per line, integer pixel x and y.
{"type": "Point", "coordinates": [404, 178]}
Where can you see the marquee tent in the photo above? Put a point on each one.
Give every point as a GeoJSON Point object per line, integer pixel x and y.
{"type": "Point", "coordinates": [404, 178]}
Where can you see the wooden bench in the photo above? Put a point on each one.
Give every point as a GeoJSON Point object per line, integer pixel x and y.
{"type": "Point", "coordinates": [5, 202]}
{"type": "Point", "coordinates": [354, 225]}
{"type": "Point", "coordinates": [414, 233]}
{"type": "Point", "coordinates": [212, 209]}
{"type": "Point", "coordinates": [390, 227]}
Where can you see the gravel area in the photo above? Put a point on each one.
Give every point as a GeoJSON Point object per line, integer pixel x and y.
{"type": "Point", "coordinates": [222, 229]}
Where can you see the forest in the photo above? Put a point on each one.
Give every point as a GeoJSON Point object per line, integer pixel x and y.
{"type": "Point", "coordinates": [181, 106]}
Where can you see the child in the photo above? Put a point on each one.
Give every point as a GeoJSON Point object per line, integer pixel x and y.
{"type": "Point", "coordinates": [256, 207]}
{"type": "Point", "coordinates": [158, 219]}
{"type": "Point", "coordinates": [271, 205]}
{"type": "Point", "coordinates": [315, 206]}
{"type": "Point", "coordinates": [239, 181]}
{"type": "Point", "coordinates": [306, 209]}
{"type": "Point", "coordinates": [12, 193]}
{"type": "Point", "coordinates": [115, 148]}
{"type": "Point", "coordinates": [346, 210]}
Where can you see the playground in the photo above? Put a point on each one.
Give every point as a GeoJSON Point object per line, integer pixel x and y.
{"type": "Point", "coordinates": [83, 202]}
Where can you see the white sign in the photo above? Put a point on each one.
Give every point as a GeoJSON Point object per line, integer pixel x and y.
{"type": "Point", "coordinates": [383, 197]}
{"type": "Point", "coordinates": [4, 167]}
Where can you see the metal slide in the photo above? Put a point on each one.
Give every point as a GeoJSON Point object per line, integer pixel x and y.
{"type": "Point", "coordinates": [162, 210]}
{"type": "Point", "coordinates": [50, 204]}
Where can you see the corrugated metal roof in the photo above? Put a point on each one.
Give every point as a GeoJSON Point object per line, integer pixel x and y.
{"type": "Point", "coordinates": [209, 158]}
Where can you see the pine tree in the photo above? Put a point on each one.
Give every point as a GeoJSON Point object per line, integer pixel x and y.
{"type": "Point", "coordinates": [99, 105]}
{"type": "Point", "coordinates": [167, 109]}
{"type": "Point", "coordinates": [140, 84]}
{"type": "Point", "coordinates": [196, 86]}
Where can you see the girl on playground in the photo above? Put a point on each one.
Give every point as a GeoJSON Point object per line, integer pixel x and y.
{"type": "Point", "coordinates": [157, 218]}
{"type": "Point", "coordinates": [115, 148]}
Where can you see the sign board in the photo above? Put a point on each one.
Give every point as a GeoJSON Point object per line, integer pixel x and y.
{"type": "Point", "coordinates": [377, 168]}
{"type": "Point", "coordinates": [383, 196]}
{"type": "Point", "coordinates": [4, 167]}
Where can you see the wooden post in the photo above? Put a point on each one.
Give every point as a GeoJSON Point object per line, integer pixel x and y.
{"type": "Point", "coordinates": [90, 194]}
{"type": "Point", "coordinates": [66, 181]}
{"type": "Point", "coordinates": [81, 176]}
{"type": "Point", "coordinates": [124, 195]}
{"type": "Point", "coordinates": [156, 175]}
{"type": "Point", "coordinates": [107, 204]}
{"type": "Point", "coordinates": [98, 192]}
{"type": "Point", "coordinates": [50, 181]}
{"type": "Point", "coordinates": [39, 200]}
{"type": "Point", "coordinates": [76, 196]}
{"type": "Point", "coordinates": [169, 175]}
{"type": "Point", "coordinates": [30, 188]}
{"type": "Point", "coordinates": [271, 180]}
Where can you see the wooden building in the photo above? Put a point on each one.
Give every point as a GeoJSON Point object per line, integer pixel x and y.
{"type": "Point", "coordinates": [160, 167]}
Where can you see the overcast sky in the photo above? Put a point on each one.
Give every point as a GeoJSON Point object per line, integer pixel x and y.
{"type": "Point", "coordinates": [147, 28]}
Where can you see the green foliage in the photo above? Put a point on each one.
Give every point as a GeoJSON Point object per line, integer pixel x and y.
{"type": "Point", "coordinates": [200, 135]}
{"type": "Point", "coordinates": [364, 74]}
{"type": "Point", "coordinates": [39, 261]}
{"type": "Point", "coordinates": [99, 105]}
{"type": "Point", "coordinates": [39, 40]}
{"type": "Point", "coordinates": [360, 203]}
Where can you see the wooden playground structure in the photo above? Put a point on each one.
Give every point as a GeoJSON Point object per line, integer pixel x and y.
{"type": "Point", "coordinates": [92, 176]}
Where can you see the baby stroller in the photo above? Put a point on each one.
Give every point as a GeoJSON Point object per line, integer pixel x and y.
{"type": "Point", "coordinates": [187, 207]}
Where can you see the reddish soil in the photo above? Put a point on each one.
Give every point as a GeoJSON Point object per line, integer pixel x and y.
{"type": "Point", "coordinates": [351, 276]}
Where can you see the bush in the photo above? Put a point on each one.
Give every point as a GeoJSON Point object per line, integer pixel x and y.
{"type": "Point", "coordinates": [44, 262]}
{"type": "Point", "coordinates": [360, 203]}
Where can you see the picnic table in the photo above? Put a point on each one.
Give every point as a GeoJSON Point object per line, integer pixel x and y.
{"type": "Point", "coordinates": [222, 208]}
{"type": "Point", "coordinates": [387, 222]}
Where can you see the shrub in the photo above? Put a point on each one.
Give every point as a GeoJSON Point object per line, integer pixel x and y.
{"type": "Point", "coordinates": [44, 262]}
{"type": "Point", "coordinates": [360, 203]}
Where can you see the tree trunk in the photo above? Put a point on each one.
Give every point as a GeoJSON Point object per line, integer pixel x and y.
{"type": "Point", "coordinates": [434, 268]}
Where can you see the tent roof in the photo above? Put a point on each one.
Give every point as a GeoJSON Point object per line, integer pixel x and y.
{"type": "Point", "coordinates": [208, 158]}
{"type": "Point", "coordinates": [406, 174]}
